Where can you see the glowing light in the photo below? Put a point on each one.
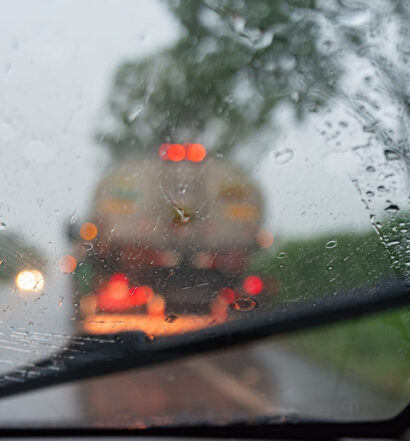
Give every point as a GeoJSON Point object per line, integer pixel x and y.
{"type": "Point", "coordinates": [88, 231]}
{"type": "Point", "coordinates": [68, 264]}
{"type": "Point", "coordinates": [227, 295]}
{"type": "Point", "coordinates": [140, 295]}
{"type": "Point", "coordinates": [264, 239]}
{"type": "Point", "coordinates": [176, 152]}
{"type": "Point", "coordinates": [196, 152]}
{"type": "Point", "coordinates": [253, 285]}
{"type": "Point", "coordinates": [163, 151]}
{"type": "Point", "coordinates": [115, 295]}
{"type": "Point", "coordinates": [118, 277]}
{"type": "Point", "coordinates": [30, 280]}
{"type": "Point", "coordinates": [104, 323]}
{"type": "Point", "coordinates": [156, 307]}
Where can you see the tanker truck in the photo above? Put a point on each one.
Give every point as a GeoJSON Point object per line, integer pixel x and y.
{"type": "Point", "coordinates": [166, 244]}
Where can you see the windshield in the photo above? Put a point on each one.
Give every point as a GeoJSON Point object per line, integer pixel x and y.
{"type": "Point", "coordinates": [172, 166]}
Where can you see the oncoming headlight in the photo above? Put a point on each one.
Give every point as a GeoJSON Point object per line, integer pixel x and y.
{"type": "Point", "coordinates": [30, 280]}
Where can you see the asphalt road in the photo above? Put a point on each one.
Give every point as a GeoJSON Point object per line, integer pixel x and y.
{"type": "Point", "coordinates": [245, 383]}
{"type": "Point", "coordinates": [241, 384]}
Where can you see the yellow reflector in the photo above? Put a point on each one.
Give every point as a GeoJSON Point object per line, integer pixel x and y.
{"type": "Point", "coordinates": [116, 206]}
{"type": "Point", "coordinates": [241, 212]}
{"type": "Point", "coordinates": [88, 231]}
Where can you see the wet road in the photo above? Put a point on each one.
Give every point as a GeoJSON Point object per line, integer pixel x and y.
{"type": "Point", "coordinates": [241, 384]}
{"type": "Point", "coordinates": [245, 383]}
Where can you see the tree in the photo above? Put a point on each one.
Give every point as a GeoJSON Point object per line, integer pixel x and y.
{"type": "Point", "coordinates": [234, 64]}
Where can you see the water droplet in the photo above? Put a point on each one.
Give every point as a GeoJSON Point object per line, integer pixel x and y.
{"type": "Point", "coordinates": [180, 215]}
{"type": "Point", "coordinates": [381, 188]}
{"type": "Point", "coordinates": [282, 255]}
{"type": "Point", "coordinates": [73, 218]}
{"type": "Point", "coordinates": [135, 112]}
{"type": "Point", "coordinates": [331, 244]}
{"type": "Point", "coordinates": [283, 156]}
{"type": "Point", "coordinates": [370, 169]}
{"type": "Point", "coordinates": [353, 17]}
{"type": "Point", "coordinates": [171, 318]}
{"type": "Point", "coordinates": [369, 194]}
{"type": "Point", "coordinates": [392, 208]}
{"type": "Point", "coordinates": [391, 155]}
{"type": "Point", "coordinates": [87, 246]}
{"type": "Point", "coordinates": [2, 226]}
{"type": "Point", "coordinates": [295, 97]}
{"type": "Point", "coordinates": [244, 304]}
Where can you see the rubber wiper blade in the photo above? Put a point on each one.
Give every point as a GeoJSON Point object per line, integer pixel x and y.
{"type": "Point", "coordinates": [112, 353]}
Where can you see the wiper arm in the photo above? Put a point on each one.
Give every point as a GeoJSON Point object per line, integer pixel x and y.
{"type": "Point", "coordinates": [119, 352]}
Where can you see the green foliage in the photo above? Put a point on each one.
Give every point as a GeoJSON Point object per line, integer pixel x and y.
{"type": "Point", "coordinates": [16, 256]}
{"type": "Point", "coordinates": [234, 64]}
{"type": "Point", "coordinates": [308, 268]}
{"type": "Point", "coordinates": [375, 349]}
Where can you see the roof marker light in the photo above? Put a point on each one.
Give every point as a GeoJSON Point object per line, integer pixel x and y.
{"type": "Point", "coordinates": [176, 152]}
{"type": "Point", "coordinates": [196, 152]}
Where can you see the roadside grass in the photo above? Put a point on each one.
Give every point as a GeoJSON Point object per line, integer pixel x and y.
{"type": "Point", "coordinates": [375, 349]}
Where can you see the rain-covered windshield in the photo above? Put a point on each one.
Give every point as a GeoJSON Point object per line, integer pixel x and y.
{"type": "Point", "coordinates": [171, 166]}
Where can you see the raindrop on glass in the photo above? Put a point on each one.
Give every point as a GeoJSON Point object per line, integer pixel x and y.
{"type": "Point", "coordinates": [283, 156]}
{"type": "Point", "coordinates": [392, 208]}
{"type": "Point", "coordinates": [391, 155]}
{"type": "Point", "coordinates": [135, 112]}
{"type": "Point", "coordinates": [2, 226]}
{"type": "Point", "coordinates": [170, 318]}
{"type": "Point", "coordinates": [331, 244]}
{"type": "Point", "coordinates": [244, 304]}
{"type": "Point", "coordinates": [73, 218]}
{"type": "Point", "coordinates": [87, 246]}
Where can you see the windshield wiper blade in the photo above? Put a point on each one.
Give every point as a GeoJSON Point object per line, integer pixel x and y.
{"type": "Point", "coordinates": [112, 353]}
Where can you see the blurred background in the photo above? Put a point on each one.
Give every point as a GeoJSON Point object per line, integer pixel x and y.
{"type": "Point", "coordinates": [307, 100]}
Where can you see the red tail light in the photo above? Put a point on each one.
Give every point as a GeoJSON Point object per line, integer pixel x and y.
{"type": "Point", "coordinates": [140, 295]}
{"type": "Point", "coordinates": [117, 296]}
{"type": "Point", "coordinates": [253, 285]}
{"type": "Point", "coordinates": [227, 295]}
{"type": "Point", "coordinates": [176, 152]}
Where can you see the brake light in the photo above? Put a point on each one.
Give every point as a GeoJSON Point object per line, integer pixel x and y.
{"type": "Point", "coordinates": [140, 295]}
{"type": "Point", "coordinates": [116, 295]}
{"type": "Point", "coordinates": [227, 295]}
{"type": "Point", "coordinates": [253, 285]}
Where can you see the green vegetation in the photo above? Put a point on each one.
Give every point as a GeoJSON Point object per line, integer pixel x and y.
{"type": "Point", "coordinates": [233, 65]}
{"type": "Point", "coordinates": [375, 349]}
